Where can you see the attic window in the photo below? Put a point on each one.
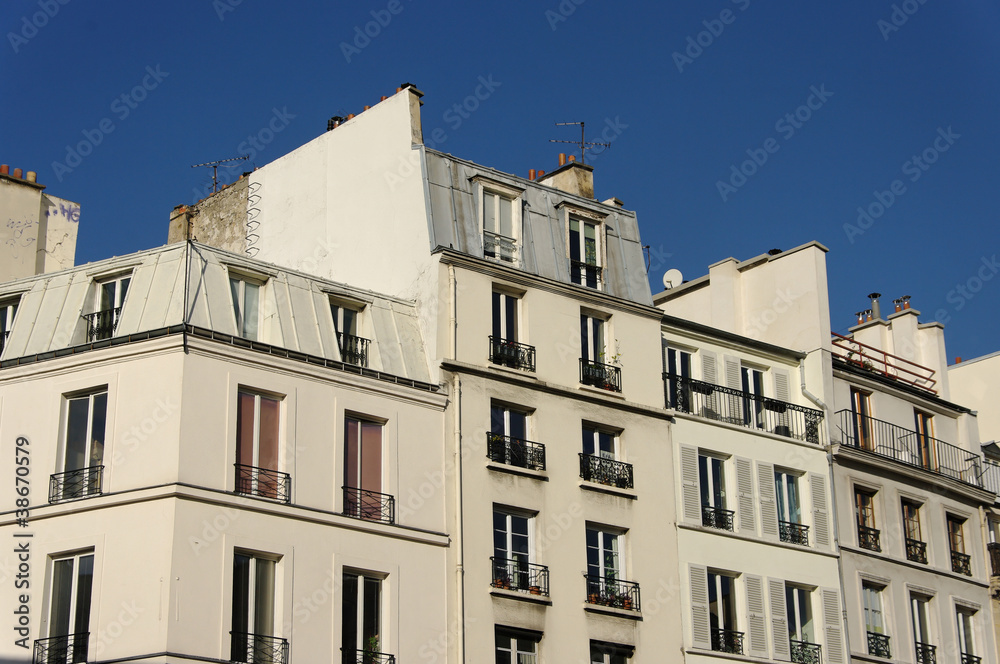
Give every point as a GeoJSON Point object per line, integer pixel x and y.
{"type": "Point", "coordinates": [500, 219]}
{"type": "Point", "coordinates": [585, 252]}
{"type": "Point", "coordinates": [8, 309]}
{"type": "Point", "coordinates": [346, 325]}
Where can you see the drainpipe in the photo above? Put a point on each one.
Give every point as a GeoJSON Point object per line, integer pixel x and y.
{"type": "Point", "coordinates": [459, 530]}
{"type": "Point", "coordinates": [453, 320]}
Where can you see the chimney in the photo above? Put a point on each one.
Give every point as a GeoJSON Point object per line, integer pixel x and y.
{"type": "Point", "coordinates": [572, 177]}
{"type": "Point", "coordinates": [562, 158]}
{"type": "Point", "coordinates": [876, 309]}
{"type": "Point", "coordinates": [531, 174]}
{"type": "Point", "coordinates": [17, 173]}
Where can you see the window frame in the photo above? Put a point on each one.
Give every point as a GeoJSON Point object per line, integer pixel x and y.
{"type": "Point", "coordinates": [912, 525]}
{"type": "Point", "coordinates": [870, 508]}
{"type": "Point", "coordinates": [509, 515]}
{"type": "Point", "coordinates": [797, 598]}
{"type": "Point", "coordinates": [514, 638]}
{"type": "Point", "coordinates": [920, 608]}
{"type": "Point", "coordinates": [505, 304]}
{"type": "Point", "coordinates": [361, 605]}
{"type": "Point", "coordinates": [712, 491]}
{"type": "Point", "coordinates": [598, 432]}
{"type": "Point", "coordinates": [720, 611]}
{"type": "Point", "coordinates": [583, 219]}
{"type": "Point", "coordinates": [617, 552]}
{"type": "Point", "coordinates": [861, 416]}
{"type": "Point", "coordinates": [956, 532]}
{"type": "Point", "coordinates": [238, 282]}
{"type": "Point", "coordinates": [610, 653]}
{"type": "Point", "coordinates": [8, 315]}
{"type": "Point", "coordinates": [73, 606]}
{"type": "Point", "coordinates": [870, 613]}
{"type": "Point", "coordinates": [486, 187]}
{"type": "Point", "coordinates": [782, 499]}
{"type": "Point", "coordinates": [965, 618]}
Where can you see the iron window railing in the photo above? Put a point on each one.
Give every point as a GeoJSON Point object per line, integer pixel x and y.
{"type": "Point", "coordinates": [926, 653]}
{"type": "Point", "coordinates": [512, 354]}
{"type": "Point", "coordinates": [878, 645]}
{"type": "Point", "coordinates": [263, 483]}
{"type": "Point", "coordinates": [585, 274]}
{"type": "Point", "coordinates": [369, 505]}
{"type": "Point", "coordinates": [608, 591]}
{"type": "Point", "coordinates": [520, 575]}
{"type": "Point", "coordinates": [366, 657]}
{"type": "Point", "coordinates": [804, 652]}
{"type": "Point", "coordinates": [514, 451]}
{"type": "Point", "coordinates": [605, 376]}
{"type": "Point", "coordinates": [69, 649]}
{"type": "Point", "coordinates": [910, 447]}
{"type": "Point", "coordinates": [970, 659]}
{"type": "Point", "coordinates": [73, 484]}
{"type": "Point", "coordinates": [716, 517]}
{"type": "Point", "coordinates": [961, 563]}
{"type": "Point", "coordinates": [353, 350]}
{"type": "Point", "coordinates": [991, 475]}
{"type": "Point", "coordinates": [605, 471]}
{"type": "Point", "coordinates": [258, 649]}
{"type": "Point", "coordinates": [916, 551]}
{"type": "Point", "coordinates": [728, 641]}
{"type": "Point", "coordinates": [102, 324]}
{"type": "Point", "coordinates": [793, 533]}
{"type": "Point", "coordinates": [868, 538]}
{"type": "Point", "coordinates": [745, 409]}
{"type": "Point", "coordinates": [499, 247]}
{"type": "Point", "coordinates": [993, 548]}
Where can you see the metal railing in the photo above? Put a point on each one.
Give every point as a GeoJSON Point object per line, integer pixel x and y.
{"type": "Point", "coordinates": [793, 533]}
{"type": "Point", "coordinates": [73, 484]}
{"type": "Point", "coordinates": [728, 641]}
{"type": "Point", "coordinates": [366, 657]}
{"type": "Point", "coordinates": [868, 538]}
{"type": "Point", "coordinates": [716, 517]}
{"type": "Point", "coordinates": [991, 476]}
{"type": "Point", "coordinates": [878, 361]}
{"type": "Point", "coordinates": [520, 575]}
{"type": "Point", "coordinates": [512, 354]}
{"type": "Point", "coordinates": [514, 451]}
{"type": "Point", "coordinates": [605, 471]}
{"type": "Point", "coordinates": [500, 247]}
{"type": "Point", "coordinates": [804, 652]}
{"type": "Point", "coordinates": [353, 350]}
{"type": "Point", "coordinates": [585, 274]}
{"type": "Point", "coordinates": [369, 505]}
{"type": "Point", "coordinates": [926, 653]}
{"type": "Point", "coordinates": [263, 483]}
{"type": "Point", "coordinates": [68, 649]}
{"type": "Point", "coordinates": [605, 376]}
{"type": "Point", "coordinates": [916, 551]}
{"type": "Point", "coordinates": [910, 447]}
{"type": "Point", "coordinates": [258, 649]}
{"type": "Point", "coordinates": [607, 591]}
{"type": "Point", "coordinates": [961, 563]}
{"type": "Point", "coordinates": [745, 409]}
{"type": "Point", "coordinates": [102, 324]}
{"type": "Point", "coordinates": [993, 549]}
{"type": "Point", "coordinates": [970, 659]}
{"type": "Point", "coordinates": [878, 645]}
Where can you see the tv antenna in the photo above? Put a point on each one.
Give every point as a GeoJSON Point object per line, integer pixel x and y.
{"type": "Point", "coordinates": [215, 169]}
{"type": "Point", "coordinates": [582, 143]}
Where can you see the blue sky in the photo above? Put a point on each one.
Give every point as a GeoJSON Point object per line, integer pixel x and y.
{"type": "Point", "coordinates": [737, 126]}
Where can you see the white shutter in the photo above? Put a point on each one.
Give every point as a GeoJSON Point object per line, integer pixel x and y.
{"type": "Point", "coordinates": [756, 639]}
{"type": "Point", "coordinates": [690, 486]}
{"type": "Point", "coordinates": [700, 625]}
{"type": "Point", "coordinates": [745, 504]}
{"type": "Point", "coordinates": [833, 626]}
{"type": "Point", "coordinates": [733, 379]}
{"type": "Point", "coordinates": [821, 516]}
{"type": "Point", "coordinates": [768, 508]}
{"type": "Point", "coordinates": [781, 391]}
{"type": "Point", "coordinates": [708, 370]}
{"type": "Point", "coordinates": [779, 620]}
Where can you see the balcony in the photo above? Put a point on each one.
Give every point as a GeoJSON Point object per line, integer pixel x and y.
{"type": "Point", "coordinates": [608, 591]}
{"type": "Point", "coordinates": [512, 354]}
{"type": "Point", "coordinates": [715, 517]}
{"type": "Point", "coordinates": [353, 350]}
{"type": "Point", "coordinates": [970, 659]}
{"type": "Point", "coordinates": [993, 549]}
{"type": "Point", "coordinates": [793, 533]}
{"type": "Point", "coordinates": [868, 538]}
{"type": "Point", "coordinates": [585, 274]}
{"type": "Point", "coordinates": [102, 324]}
{"type": "Point", "coordinates": [605, 376]}
{"type": "Point", "coordinates": [369, 505]}
{"type": "Point", "coordinates": [73, 484]}
{"type": "Point", "coordinates": [885, 364]}
{"type": "Point", "coordinates": [804, 652]}
{"type": "Point", "coordinates": [605, 471]}
{"type": "Point", "coordinates": [263, 483]}
{"type": "Point", "coordinates": [520, 575]}
{"type": "Point", "coordinates": [728, 641]}
{"type": "Point", "coordinates": [515, 452]}
{"type": "Point", "coordinates": [878, 645]}
{"type": "Point", "coordinates": [910, 447]}
{"type": "Point", "coordinates": [500, 247]}
{"type": "Point", "coordinates": [258, 649]}
{"type": "Point", "coordinates": [926, 654]}
{"type": "Point", "coordinates": [69, 649]}
{"type": "Point", "coordinates": [961, 563]}
{"type": "Point", "coordinates": [916, 551]}
{"type": "Point", "coordinates": [745, 409]}
{"type": "Point", "coordinates": [366, 657]}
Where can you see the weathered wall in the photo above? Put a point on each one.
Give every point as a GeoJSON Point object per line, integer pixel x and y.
{"type": "Point", "coordinates": [222, 220]}
{"type": "Point", "coordinates": [37, 232]}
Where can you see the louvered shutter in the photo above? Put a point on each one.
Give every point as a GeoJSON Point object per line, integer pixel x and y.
{"type": "Point", "coordinates": [768, 508]}
{"type": "Point", "coordinates": [821, 515]}
{"type": "Point", "coordinates": [779, 620]}
{"type": "Point", "coordinates": [833, 626]}
{"type": "Point", "coordinates": [782, 420]}
{"type": "Point", "coordinates": [746, 503]}
{"type": "Point", "coordinates": [690, 487]}
{"type": "Point", "coordinates": [700, 625]}
{"type": "Point", "coordinates": [756, 639]}
{"type": "Point", "coordinates": [733, 379]}
{"type": "Point", "coordinates": [709, 374]}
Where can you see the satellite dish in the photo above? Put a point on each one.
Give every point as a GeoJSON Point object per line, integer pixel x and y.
{"type": "Point", "coordinates": [672, 278]}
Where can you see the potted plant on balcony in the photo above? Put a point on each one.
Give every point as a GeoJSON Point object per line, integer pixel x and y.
{"type": "Point", "coordinates": [501, 580]}
{"type": "Point", "coordinates": [371, 652]}
{"type": "Point", "coordinates": [535, 590]}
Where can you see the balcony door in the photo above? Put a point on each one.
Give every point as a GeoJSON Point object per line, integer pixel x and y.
{"type": "Point", "coordinates": [798, 606]}
{"type": "Point", "coordinates": [363, 469]}
{"type": "Point", "coordinates": [69, 611]}
{"type": "Point", "coordinates": [361, 623]}
{"type": "Point", "coordinates": [511, 549]}
{"type": "Point", "coordinates": [678, 377]}
{"type": "Point", "coordinates": [861, 419]}
{"type": "Point", "coordinates": [603, 555]}
{"type": "Point", "coordinates": [253, 609]}
{"type": "Point", "coordinates": [86, 417]}
{"type": "Point", "coordinates": [257, 438]}
{"type": "Point", "coordinates": [752, 381]}
{"type": "Point", "coordinates": [924, 426]}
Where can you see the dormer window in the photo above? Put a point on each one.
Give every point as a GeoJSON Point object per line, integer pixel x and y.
{"type": "Point", "coordinates": [500, 217]}
{"type": "Point", "coordinates": [585, 252]}
{"type": "Point", "coordinates": [246, 305]}
{"type": "Point", "coordinates": [8, 309]}
{"type": "Point", "coordinates": [109, 300]}
{"type": "Point", "coordinates": [346, 320]}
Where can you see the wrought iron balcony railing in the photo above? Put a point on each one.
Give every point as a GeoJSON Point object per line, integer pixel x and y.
{"type": "Point", "coordinates": [926, 653]}
{"type": "Point", "coordinates": [607, 591]}
{"type": "Point", "coordinates": [991, 476]}
{"type": "Point", "coordinates": [971, 659]}
{"type": "Point", "coordinates": [500, 247]}
{"type": "Point", "coordinates": [520, 575]}
{"type": "Point", "coordinates": [353, 350]}
{"type": "Point", "coordinates": [793, 533]}
{"type": "Point", "coordinates": [910, 447]}
{"type": "Point", "coordinates": [916, 551]}
{"type": "Point", "coordinates": [868, 538]}
{"type": "Point", "coordinates": [102, 324]}
{"type": "Point", "coordinates": [366, 657]}
{"type": "Point", "coordinates": [605, 376]}
{"type": "Point", "coordinates": [258, 649]}
{"type": "Point", "coordinates": [804, 652]}
{"type": "Point", "coordinates": [745, 409]}
{"type": "Point", "coordinates": [585, 274]}
{"type": "Point", "coordinates": [515, 452]}
{"type": "Point", "coordinates": [728, 641]}
{"type": "Point", "coordinates": [369, 505]}
{"type": "Point", "coordinates": [263, 483]}
{"type": "Point", "coordinates": [993, 548]}
{"type": "Point", "coordinates": [512, 354]}
{"type": "Point", "coordinates": [961, 563]}
{"type": "Point", "coordinates": [878, 361]}
{"type": "Point", "coordinates": [605, 471]}
{"type": "Point", "coordinates": [69, 649]}
{"type": "Point", "coordinates": [716, 517]}
{"type": "Point", "coordinates": [73, 484]}
{"type": "Point", "coordinates": [878, 645]}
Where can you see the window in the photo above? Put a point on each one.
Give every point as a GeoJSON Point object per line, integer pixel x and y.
{"type": "Point", "coordinates": [361, 625]}
{"type": "Point", "coordinates": [8, 309]}
{"type": "Point", "coordinates": [960, 561]}
{"type": "Point", "coordinates": [678, 379]}
{"type": "Point", "coordinates": [923, 422]}
{"type": "Point", "coordinates": [253, 638]}
{"type": "Point", "coordinates": [798, 608]}
{"type": "Point", "coordinates": [108, 307]}
{"type": "Point", "coordinates": [353, 348]}
{"type": "Point", "coordinates": [864, 508]}
{"type": "Point", "coordinates": [605, 570]}
{"type": "Point", "coordinates": [861, 418]}
{"type": "Point", "coordinates": [722, 613]}
{"type": "Point", "coordinates": [257, 447]}
{"type": "Point", "coordinates": [597, 367]}
{"type": "Point", "coordinates": [83, 457]}
{"type": "Point", "coordinates": [585, 252]}
{"type": "Point", "coordinates": [967, 635]}
{"type": "Point", "coordinates": [786, 493]}
{"type": "Point", "coordinates": [499, 226]}
{"type": "Point", "coordinates": [921, 629]}
{"type": "Point", "coordinates": [504, 347]}
{"type": "Point", "coordinates": [752, 381]}
{"type": "Point", "coordinates": [516, 647]}
{"type": "Point", "coordinates": [508, 442]}
{"type": "Point", "coordinates": [916, 548]}
{"type": "Point", "coordinates": [512, 554]}
{"type": "Point", "coordinates": [712, 478]}
{"type": "Point", "coordinates": [363, 497]}
{"type": "Point", "coordinates": [592, 346]}
{"type": "Point", "coordinates": [609, 653]}
{"type": "Point", "coordinates": [246, 306]}
{"type": "Point", "coordinates": [599, 460]}
{"type": "Point", "coordinates": [878, 640]}
{"type": "Point", "coordinates": [69, 610]}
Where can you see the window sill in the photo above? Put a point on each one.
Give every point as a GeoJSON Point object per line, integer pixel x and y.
{"type": "Point", "coordinates": [519, 596]}
{"type": "Point", "coordinates": [612, 611]}
{"type": "Point", "coordinates": [524, 373]}
{"type": "Point", "coordinates": [613, 490]}
{"type": "Point", "coordinates": [598, 390]}
{"type": "Point", "coordinates": [517, 470]}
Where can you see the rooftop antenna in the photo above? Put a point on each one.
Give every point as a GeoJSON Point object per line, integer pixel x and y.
{"type": "Point", "coordinates": [583, 143]}
{"type": "Point", "coordinates": [215, 169]}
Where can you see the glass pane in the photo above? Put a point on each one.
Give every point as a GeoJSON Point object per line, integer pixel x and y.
{"type": "Point", "coordinates": [519, 536]}
{"type": "Point", "coordinates": [76, 434]}
{"type": "Point", "coordinates": [574, 240]}
{"type": "Point", "coordinates": [497, 420]}
{"type": "Point", "coordinates": [84, 584]}
{"type": "Point", "coordinates": [267, 454]}
{"type": "Point", "coordinates": [779, 488]}
{"type": "Point", "coordinates": [97, 428]}
{"type": "Point", "coordinates": [510, 311]}
{"type": "Point", "coordinates": [718, 484]}
{"type": "Point", "coordinates": [500, 549]}
{"type": "Point", "coordinates": [371, 456]}
{"type": "Point", "coordinates": [598, 340]}
{"type": "Point", "coordinates": [371, 616]}
{"type": "Point", "coordinates": [794, 515]}
{"type": "Point", "coordinates": [107, 296]}
{"type": "Point", "coordinates": [590, 244]}
{"type": "Point", "coordinates": [349, 613]}
{"type": "Point", "coordinates": [489, 212]}
{"type": "Point", "coordinates": [350, 322]}
{"type": "Point", "coordinates": [593, 553]}
{"type": "Point", "coordinates": [607, 442]}
{"type": "Point", "coordinates": [234, 288]}
{"type": "Point", "coordinates": [244, 428]}
{"type": "Point", "coordinates": [62, 596]}
{"type": "Point", "coordinates": [123, 290]}
{"type": "Point", "coordinates": [585, 339]}
{"type": "Point", "coordinates": [588, 441]}
{"type": "Point", "coordinates": [352, 454]}
{"type": "Point", "coordinates": [251, 297]}
{"type": "Point", "coordinates": [518, 425]}
{"type": "Point", "coordinates": [263, 621]}
{"type": "Point", "coordinates": [241, 593]}
{"type": "Point", "coordinates": [497, 316]}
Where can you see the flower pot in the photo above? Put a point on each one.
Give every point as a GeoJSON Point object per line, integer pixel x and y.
{"type": "Point", "coordinates": [594, 598]}
{"type": "Point", "coordinates": [534, 590]}
{"type": "Point", "coordinates": [627, 603]}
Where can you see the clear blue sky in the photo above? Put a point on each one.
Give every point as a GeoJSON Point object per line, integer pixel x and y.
{"type": "Point", "coordinates": [893, 83]}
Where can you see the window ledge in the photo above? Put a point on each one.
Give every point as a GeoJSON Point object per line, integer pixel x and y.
{"type": "Point", "coordinates": [523, 373]}
{"type": "Point", "coordinates": [597, 390]}
{"type": "Point", "coordinates": [517, 470]}
{"type": "Point", "coordinates": [517, 595]}
{"type": "Point", "coordinates": [613, 490]}
{"type": "Point", "coordinates": [612, 611]}
{"type": "Point", "coordinates": [725, 655]}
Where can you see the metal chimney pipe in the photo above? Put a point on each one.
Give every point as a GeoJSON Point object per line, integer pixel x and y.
{"type": "Point", "coordinates": [876, 310]}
